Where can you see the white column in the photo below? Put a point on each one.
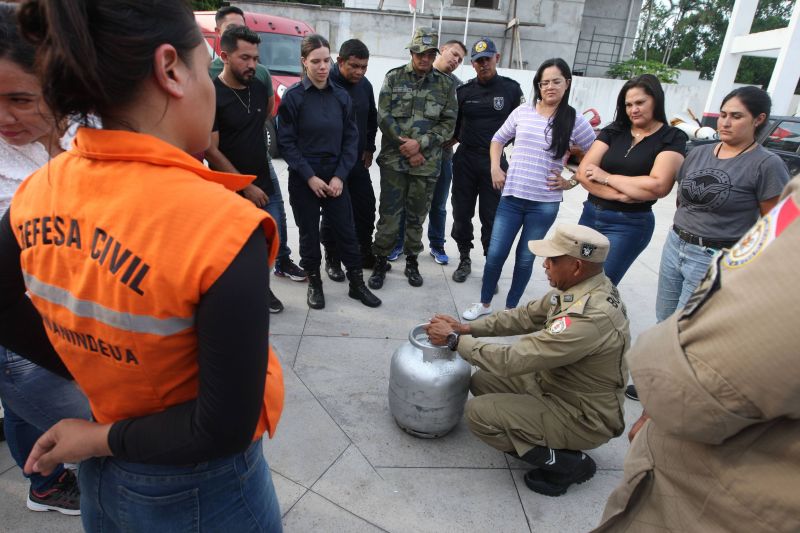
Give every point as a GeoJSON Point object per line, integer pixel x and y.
{"type": "Point", "coordinates": [739, 24]}
{"type": "Point", "coordinates": [787, 69]}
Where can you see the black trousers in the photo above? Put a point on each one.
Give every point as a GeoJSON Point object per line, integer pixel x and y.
{"type": "Point", "coordinates": [306, 207]}
{"type": "Point", "coordinates": [362, 198]}
{"type": "Point", "coordinates": [472, 183]}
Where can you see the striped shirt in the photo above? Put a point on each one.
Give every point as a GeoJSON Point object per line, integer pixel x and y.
{"type": "Point", "coordinates": [531, 160]}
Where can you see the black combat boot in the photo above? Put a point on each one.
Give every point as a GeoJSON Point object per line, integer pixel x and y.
{"type": "Point", "coordinates": [379, 272]}
{"type": "Point", "coordinates": [358, 290]}
{"type": "Point", "coordinates": [412, 271]}
{"type": "Point", "coordinates": [464, 268]}
{"type": "Point", "coordinates": [315, 298]}
{"type": "Point", "coordinates": [333, 267]}
{"type": "Point", "coordinates": [557, 470]}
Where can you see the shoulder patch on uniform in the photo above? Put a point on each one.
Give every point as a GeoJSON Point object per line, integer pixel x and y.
{"type": "Point", "coordinates": [766, 230]}
{"type": "Point", "coordinates": [559, 325]}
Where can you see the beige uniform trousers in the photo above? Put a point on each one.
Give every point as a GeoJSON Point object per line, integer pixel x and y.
{"type": "Point", "coordinates": [513, 415]}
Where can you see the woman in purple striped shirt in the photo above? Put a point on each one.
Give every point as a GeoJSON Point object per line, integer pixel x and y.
{"type": "Point", "coordinates": [532, 188]}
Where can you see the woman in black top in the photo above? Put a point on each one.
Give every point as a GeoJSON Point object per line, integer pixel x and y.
{"type": "Point", "coordinates": [318, 137]}
{"type": "Point", "coordinates": [632, 164]}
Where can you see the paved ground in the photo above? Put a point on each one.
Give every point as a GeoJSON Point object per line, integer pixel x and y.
{"type": "Point", "coordinates": [340, 463]}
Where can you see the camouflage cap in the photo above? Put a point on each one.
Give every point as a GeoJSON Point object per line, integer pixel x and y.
{"type": "Point", "coordinates": [424, 39]}
{"type": "Point", "coordinates": [575, 241]}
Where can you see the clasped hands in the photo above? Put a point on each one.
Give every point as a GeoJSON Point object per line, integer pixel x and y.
{"type": "Point", "coordinates": [410, 149]}
{"type": "Point", "coordinates": [440, 327]}
{"type": "Point", "coordinates": [596, 174]}
{"type": "Point", "coordinates": [332, 189]}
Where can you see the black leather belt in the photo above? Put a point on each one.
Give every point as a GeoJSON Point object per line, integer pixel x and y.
{"type": "Point", "coordinates": [691, 238]}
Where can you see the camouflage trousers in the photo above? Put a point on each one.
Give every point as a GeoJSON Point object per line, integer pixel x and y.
{"type": "Point", "coordinates": [402, 192]}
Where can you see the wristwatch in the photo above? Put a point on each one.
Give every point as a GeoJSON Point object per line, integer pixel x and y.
{"type": "Point", "coordinates": [572, 182]}
{"type": "Point", "coordinates": [452, 340]}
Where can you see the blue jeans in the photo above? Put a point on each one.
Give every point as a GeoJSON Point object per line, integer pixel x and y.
{"type": "Point", "coordinates": [683, 267]}
{"type": "Point", "coordinates": [535, 218]}
{"type": "Point", "coordinates": [231, 494]}
{"type": "Point", "coordinates": [277, 211]}
{"type": "Point", "coordinates": [33, 400]}
{"type": "Point", "coordinates": [437, 217]}
{"type": "Point", "coordinates": [629, 233]}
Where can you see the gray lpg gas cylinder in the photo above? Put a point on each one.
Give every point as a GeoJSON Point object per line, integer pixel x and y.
{"type": "Point", "coordinates": [428, 386]}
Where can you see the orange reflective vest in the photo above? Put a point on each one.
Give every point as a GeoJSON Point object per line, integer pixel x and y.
{"type": "Point", "coordinates": [121, 236]}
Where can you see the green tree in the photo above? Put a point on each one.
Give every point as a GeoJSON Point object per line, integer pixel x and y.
{"type": "Point", "coordinates": [634, 67]}
{"type": "Point", "coordinates": [690, 35]}
{"type": "Point", "coordinates": [206, 5]}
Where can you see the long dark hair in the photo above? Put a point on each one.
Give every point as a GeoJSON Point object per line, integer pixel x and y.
{"type": "Point", "coordinates": [560, 126]}
{"type": "Point", "coordinates": [93, 55]}
{"type": "Point", "coordinates": [650, 85]}
{"type": "Point", "coordinates": [13, 47]}
{"type": "Point", "coordinates": [756, 101]}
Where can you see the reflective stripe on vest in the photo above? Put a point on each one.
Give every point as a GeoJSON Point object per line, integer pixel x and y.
{"type": "Point", "coordinates": [115, 319]}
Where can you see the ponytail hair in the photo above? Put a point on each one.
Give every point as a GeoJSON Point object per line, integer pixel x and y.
{"type": "Point", "coordinates": [93, 55]}
{"type": "Point", "coordinates": [563, 121]}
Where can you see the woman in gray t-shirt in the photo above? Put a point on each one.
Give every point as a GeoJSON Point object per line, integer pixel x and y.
{"type": "Point", "coordinates": [723, 189]}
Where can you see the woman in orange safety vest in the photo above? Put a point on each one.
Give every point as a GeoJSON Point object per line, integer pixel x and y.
{"type": "Point", "coordinates": [132, 268]}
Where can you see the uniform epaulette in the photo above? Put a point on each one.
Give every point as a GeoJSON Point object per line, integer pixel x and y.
{"type": "Point", "coordinates": [510, 79]}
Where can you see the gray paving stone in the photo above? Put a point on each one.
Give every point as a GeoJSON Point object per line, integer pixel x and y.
{"type": "Point", "coordinates": [315, 513]}
{"type": "Point", "coordinates": [285, 347]}
{"type": "Point", "coordinates": [289, 492]}
{"type": "Point", "coordinates": [307, 441]}
{"type": "Point", "coordinates": [350, 377]}
{"type": "Point", "coordinates": [578, 510]}
{"type": "Point", "coordinates": [16, 518]}
{"type": "Point", "coordinates": [466, 500]}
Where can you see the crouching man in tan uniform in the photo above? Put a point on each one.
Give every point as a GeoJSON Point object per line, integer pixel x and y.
{"type": "Point", "coordinates": [559, 389]}
{"type": "Point", "coordinates": [719, 446]}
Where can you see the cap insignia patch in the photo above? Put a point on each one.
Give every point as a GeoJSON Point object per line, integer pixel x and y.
{"type": "Point", "coordinates": [587, 249]}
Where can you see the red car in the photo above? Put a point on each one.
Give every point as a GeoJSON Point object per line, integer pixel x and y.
{"type": "Point", "coordinates": [279, 51]}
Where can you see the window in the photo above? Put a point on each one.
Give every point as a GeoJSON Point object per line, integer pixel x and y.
{"type": "Point", "coordinates": [481, 4]}
{"type": "Point", "coordinates": [785, 137]}
{"type": "Point", "coordinates": [280, 53]}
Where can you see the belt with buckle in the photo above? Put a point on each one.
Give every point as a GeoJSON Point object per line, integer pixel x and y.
{"type": "Point", "coordinates": [691, 238]}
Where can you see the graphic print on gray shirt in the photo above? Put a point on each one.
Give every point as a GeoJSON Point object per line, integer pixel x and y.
{"type": "Point", "coordinates": [719, 198]}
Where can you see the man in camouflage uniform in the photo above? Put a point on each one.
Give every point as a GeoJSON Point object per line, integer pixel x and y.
{"type": "Point", "coordinates": [559, 388]}
{"type": "Point", "coordinates": [417, 111]}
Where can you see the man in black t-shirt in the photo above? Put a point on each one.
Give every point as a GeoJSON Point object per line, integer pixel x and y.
{"type": "Point", "coordinates": [237, 137]}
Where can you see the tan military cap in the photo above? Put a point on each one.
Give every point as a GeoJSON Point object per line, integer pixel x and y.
{"type": "Point", "coordinates": [424, 39]}
{"type": "Point", "coordinates": [573, 240]}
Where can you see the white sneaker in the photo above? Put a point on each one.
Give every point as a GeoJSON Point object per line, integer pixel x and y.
{"type": "Point", "coordinates": [475, 310]}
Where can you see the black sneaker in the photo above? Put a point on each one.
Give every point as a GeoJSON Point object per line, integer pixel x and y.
{"type": "Point", "coordinates": [464, 269]}
{"type": "Point", "coordinates": [62, 496]}
{"type": "Point", "coordinates": [287, 269]}
{"type": "Point", "coordinates": [630, 392]}
{"type": "Point", "coordinates": [275, 305]}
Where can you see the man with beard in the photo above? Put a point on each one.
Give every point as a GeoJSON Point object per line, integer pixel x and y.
{"type": "Point", "coordinates": [237, 137]}
{"type": "Point", "coordinates": [284, 266]}
{"type": "Point", "coordinates": [484, 103]}
{"type": "Point", "coordinates": [349, 73]}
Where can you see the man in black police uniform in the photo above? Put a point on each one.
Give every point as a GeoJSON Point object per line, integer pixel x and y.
{"type": "Point", "coordinates": [349, 73]}
{"type": "Point", "coordinates": [484, 103]}
{"type": "Point", "coordinates": [237, 137]}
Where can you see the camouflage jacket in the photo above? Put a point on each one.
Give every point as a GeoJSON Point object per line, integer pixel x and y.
{"type": "Point", "coordinates": [424, 109]}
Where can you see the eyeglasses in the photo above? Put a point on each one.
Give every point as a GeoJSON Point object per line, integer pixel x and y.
{"type": "Point", "coordinates": [556, 83]}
